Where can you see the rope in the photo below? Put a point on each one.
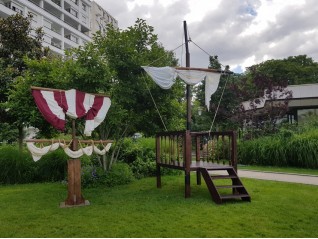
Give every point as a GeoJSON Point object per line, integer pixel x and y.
{"type": "Point", "coordinates": [217, 108]}
{"type": "Point", "coordinates": [204, 51]}
{"type": "Point", "coordinates": [154, 102]}
{"type": "Point", "coordinates": [165, 55]}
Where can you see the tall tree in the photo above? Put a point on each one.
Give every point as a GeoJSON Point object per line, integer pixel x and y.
{"type": "Point", "coordinates": [126, 52]}
{"type": "Point", "coordinates": [16, 43]}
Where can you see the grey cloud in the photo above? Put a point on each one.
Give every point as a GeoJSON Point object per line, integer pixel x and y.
{"type": "Point", "coordinates": [218, 33]}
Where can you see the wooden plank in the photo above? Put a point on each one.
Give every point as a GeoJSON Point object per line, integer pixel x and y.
{"type": "Point", "coordinates": [197, 69]}
{"type": "Point", "coordinates": [68, 141]}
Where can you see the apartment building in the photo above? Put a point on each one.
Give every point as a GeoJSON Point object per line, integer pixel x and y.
{"type": "Point", "coordinates": [100, 18]}
{"type": "Point", "coordinates": [66, 23]}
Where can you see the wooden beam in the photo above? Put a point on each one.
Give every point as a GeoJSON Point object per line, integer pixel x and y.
{"type": "Point", "coordinates": [67, 141]}
{"type": "Point", "coordinates": [198, 69]}
{"type": "Point", "coordinates": [51, 89]}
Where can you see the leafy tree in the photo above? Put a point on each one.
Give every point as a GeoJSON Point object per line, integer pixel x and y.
{"type": "Point", "coordinates": [15, 44]}
{"type": "Point", "coordinates": [222, 102]}
{"type": "Point", "coordinates": [254, 87]}
{"type": "Point", "coordinates": [126, 52]}
{"type": "Point", "coordinates": [294, 69]}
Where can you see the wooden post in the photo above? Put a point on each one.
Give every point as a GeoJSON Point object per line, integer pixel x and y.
{"type": "Point", "coordinates": [188, 86]}
{"type": "Point", "coordinates": [158, 161]}
{"type": "Point", "coordinates": [187, 142]}
{"type": "Point", "coordinates": [74, 196]}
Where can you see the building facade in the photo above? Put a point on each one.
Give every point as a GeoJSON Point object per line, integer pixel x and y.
{"type": "Point", "coordinates": [100, 19]}
{"type": "Point", "coordinates": [66, 23]}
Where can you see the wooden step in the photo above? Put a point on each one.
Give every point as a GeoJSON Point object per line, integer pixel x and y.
{"type": "Point", "coordinates": [230, 186]}
{"type": "Point", "coordinates": [215, 168]}
{"type": "Point", "coordinates": [233, 196]}
{"type": "Point", "coordinates": [223, 176]}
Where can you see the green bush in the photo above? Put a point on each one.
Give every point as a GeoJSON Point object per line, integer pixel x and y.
{"type": "Point", "coordinates": [52, 167]}
{"type": "Point", "coordinates": [140, 155]}
{"type": "Point", "coordinates": [15, 167]}
{"type": "Point", "coordinates": [119, 174]}
{"type": "Point", "coordinates": [143, 168]}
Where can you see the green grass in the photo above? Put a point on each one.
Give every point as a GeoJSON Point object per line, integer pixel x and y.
{"type": "Point", "coordinates": [280, 169]}
{"type": "Point", "coordinates": [141, 210]}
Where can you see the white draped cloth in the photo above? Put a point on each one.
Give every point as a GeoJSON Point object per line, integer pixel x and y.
{"type": "Point", "coordinates": [37, 153]}
{"type": "Point", "coordinates": [165, 77]}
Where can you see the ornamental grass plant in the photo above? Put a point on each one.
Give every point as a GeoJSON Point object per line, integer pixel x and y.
{"type": "Point", "coordinates": [284, 149]}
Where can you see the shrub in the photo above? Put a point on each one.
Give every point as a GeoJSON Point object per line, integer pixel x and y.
{"type": "Point", "coordinates": [119, 174]}
{"type": "Point", "coordinates": [143, 168]}
{"type": "Point", "coordinates": [16, 167]}
{"type": "Point", "coordinates": [52, 167]}
{"type": "Point", "coordinates": [140, 155]}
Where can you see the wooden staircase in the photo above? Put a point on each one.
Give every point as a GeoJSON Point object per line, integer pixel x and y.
{"type": "Point", "coordinates": [224, 184]}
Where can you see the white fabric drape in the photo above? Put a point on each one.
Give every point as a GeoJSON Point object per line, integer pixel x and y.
{"type": "Point", "coordinates": [37, 153]}
{"type": "Point", "coordinates": [165, 77]}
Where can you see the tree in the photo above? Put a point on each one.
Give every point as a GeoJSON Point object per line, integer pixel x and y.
{"type": "Point", "coordinates": [108, 65]}
{"type": "Point", "coordinates": [126, 51]}
{"type": "Point", "coordinates": [293, 69]}
{"type": "Point", "coordinates": [221, 105]}
{"type": "Point", "coordinates": [16, 44]}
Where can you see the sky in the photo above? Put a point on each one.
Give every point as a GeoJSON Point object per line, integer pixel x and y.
{"type": "Point", "coordinates": [240, 32]}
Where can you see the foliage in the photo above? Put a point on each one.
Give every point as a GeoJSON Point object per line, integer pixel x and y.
{"type": "Point", "coordinates": [8, 134]}
{"type": "Point", "coordinates": [43, 73]}
{"type": "Point", "coordinates": [287, 148]}
{"type": "Point", "coordinates": [267, 79]}
{"type": "Point", "coordinates": [52, 167]}
{"type": "Point", "coordinates": [119, 174]}
{"type": "Point", "coordinates": [16, 43]}
{"type": "Point", "coordinates": [140, 155]}
{"type": "Point", "coordinates": [295, 70]}
{"type": "Point", "coordinates": [16, 166]}
{"type": "Point", "coordinates": [126, 52]}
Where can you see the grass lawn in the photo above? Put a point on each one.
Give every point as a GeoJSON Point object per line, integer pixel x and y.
{"type": "Point", "coordinates": [141, 210]}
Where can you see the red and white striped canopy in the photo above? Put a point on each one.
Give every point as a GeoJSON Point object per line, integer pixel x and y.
{"type": "Point", "coordinates": [54, 104]}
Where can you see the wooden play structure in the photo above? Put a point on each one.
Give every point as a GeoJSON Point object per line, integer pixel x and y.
{"type": "Point", "coordinates": [212, 155]}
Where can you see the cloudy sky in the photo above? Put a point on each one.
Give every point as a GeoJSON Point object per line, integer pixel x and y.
{"type": "Point", "coordinates": [240, 32]}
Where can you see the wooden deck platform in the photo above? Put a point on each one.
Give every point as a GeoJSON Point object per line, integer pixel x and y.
{"type": "Point", "coordinates": [175, 150]}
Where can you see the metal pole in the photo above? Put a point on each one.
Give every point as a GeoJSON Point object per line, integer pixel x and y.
{"type": "Point", "coordinates": [188, 86]}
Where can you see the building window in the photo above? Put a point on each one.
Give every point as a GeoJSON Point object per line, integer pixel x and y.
{"type": "Point", "coordinates": [72, 11]}
{"type": "Point", "coordinates": [84, 7]}
{"type": "Point", "coordinates": [75, 1]}
{"type": "Point", "coordinates": [72, 38]}
{"type": "Point", "coordinates": [84, 19]}
{"type": "Point", "coordinates": [47, 24]}
{"type": "Point", "coordinates": [15, 8]}
{"type": "Point", "coordinates": [57, 2]}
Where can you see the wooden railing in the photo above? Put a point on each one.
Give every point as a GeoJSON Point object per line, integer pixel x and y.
{"type": "Point", "coordinates": [215, 147]}
{"type": "Point", "coordinates": [178, 149]}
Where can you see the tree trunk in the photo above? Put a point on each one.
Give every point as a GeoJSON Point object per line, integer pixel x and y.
{"type": "Point", "coordinates": [21, 137]}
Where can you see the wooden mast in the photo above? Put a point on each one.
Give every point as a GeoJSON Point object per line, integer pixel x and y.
{"type": "Point", "coordinates": [188, 86]}
{"type": "Point", "coordinates": [187, 133]}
